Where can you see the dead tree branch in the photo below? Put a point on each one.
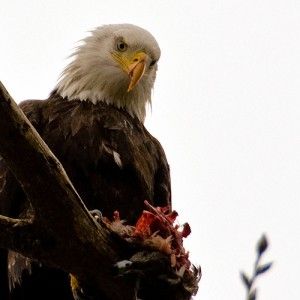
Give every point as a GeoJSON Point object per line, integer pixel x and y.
{"type": "Point", "coordinates": [62, 223]}
{"type": "Point", "coordinates": [61, 231]}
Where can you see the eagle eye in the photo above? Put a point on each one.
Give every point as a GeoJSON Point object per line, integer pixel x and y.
{"type": "Point", "coordinates": [121, 46]}
{"type": "Point", "coordinates": [153, 62]}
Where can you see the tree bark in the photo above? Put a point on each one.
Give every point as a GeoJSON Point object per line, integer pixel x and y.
{"type": "Point", "coordinates": [61, 223]}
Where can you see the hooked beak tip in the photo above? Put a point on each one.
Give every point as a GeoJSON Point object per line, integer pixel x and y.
{"type": "Point", "coordinates": [135, 73]}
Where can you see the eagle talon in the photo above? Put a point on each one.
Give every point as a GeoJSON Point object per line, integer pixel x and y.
{"type": "Point", "coordinates": [97, 215]}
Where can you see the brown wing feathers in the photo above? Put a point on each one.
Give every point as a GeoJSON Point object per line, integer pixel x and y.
{"type": "Point", "coordinates": [112, 160]}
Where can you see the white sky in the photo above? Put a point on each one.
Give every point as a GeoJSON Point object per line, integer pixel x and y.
{"type": "Point", "coordinates": [226, 108]}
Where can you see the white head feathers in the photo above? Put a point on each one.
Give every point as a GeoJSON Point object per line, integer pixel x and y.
{"type": "Point", "coordinates": [94, 75]}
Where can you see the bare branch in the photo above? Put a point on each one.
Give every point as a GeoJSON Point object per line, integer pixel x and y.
{"type": "Point", "coordinates": [63, 225]}
{"type": "Point", "coordinates": [19, 235]}
{"type": "Point", "coordinates": [7, 223]}
{"type": "Point", "coordinates": [59, 211]}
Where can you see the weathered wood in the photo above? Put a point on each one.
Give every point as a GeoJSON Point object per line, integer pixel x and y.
{"type": "Point", "coordinates": [62, 231]}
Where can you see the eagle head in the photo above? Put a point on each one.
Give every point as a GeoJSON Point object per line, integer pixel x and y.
{"type": "Point", "coordinates": [116, 64]}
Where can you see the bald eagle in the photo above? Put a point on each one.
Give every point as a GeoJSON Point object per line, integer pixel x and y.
{"type": "Point", "coordinates": [93, 122]}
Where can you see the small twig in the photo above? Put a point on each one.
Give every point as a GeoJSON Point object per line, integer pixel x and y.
{"type": "Point", "coordinates": [258, 269]}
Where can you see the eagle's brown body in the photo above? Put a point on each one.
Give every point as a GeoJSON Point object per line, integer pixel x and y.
{"type": "Point", "coordinates": [112, 160]}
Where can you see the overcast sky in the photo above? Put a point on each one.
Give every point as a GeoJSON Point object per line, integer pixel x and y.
{"type": "Point", "coordinates": [226, 108]}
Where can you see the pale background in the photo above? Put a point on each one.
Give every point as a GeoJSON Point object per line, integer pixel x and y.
{"type": "Point", "coordinates": [226, 108]}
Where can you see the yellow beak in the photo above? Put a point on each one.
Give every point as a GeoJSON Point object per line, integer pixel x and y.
{"type": "Point", "coordinates": [136, 69]}
{"type": "Point", "coordinates": [133, 64]}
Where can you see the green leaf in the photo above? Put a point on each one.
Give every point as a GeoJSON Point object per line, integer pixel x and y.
{"type": "Point", "coordinates": [247, 282]}
{"type": "Point", "coordinates": [262, 269]}
{"type": "Point", "coordinates": [262, 245]}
